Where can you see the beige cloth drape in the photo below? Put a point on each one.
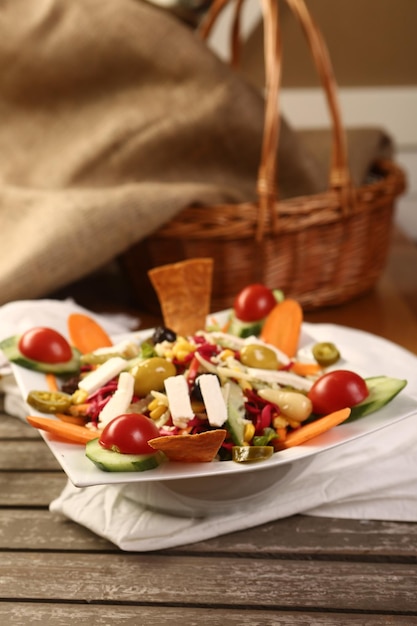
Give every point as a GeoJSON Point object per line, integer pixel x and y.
{"type": "Point", "coordinates": [114, 116]}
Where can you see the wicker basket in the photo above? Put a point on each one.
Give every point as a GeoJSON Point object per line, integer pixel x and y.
{"type": "Point", "coordinates": [324, 249]}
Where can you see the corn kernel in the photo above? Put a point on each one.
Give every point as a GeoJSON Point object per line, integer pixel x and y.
{"type": "Point", "coordinates": [279, 422]}
{"type": "Point", "coordinates": [158, 412]}
{"type": "Point", "coordinates": [79, 396]}
{"type": "Point", "coordinates": [224, 354]}
{"type": "Point", "coordinates": [182, 348]}
{"type": "Point", "coordinates": [154, 404]}
{"type": "Point", "coordinates": [293, 423]}
{"type": "Point", "coordinates": [249, 432]}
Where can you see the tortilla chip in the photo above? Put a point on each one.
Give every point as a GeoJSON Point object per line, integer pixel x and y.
{"type": "Point", "coordinates": [200, 448]}
{"type": "Point", "coordinates": [184, 293]}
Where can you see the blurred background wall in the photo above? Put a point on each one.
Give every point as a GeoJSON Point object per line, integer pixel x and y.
{"type": "Point", "coordinates": [373, 47]}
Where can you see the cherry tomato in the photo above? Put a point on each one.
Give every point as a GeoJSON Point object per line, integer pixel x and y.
{"type": "Point", "coordinates": [337, 390]}
{"type": "Point", "coordinates": [129, 433]}
{"type": "Point", "coordinates": [254, 303]}
{"type": "Point", "coordinates": [45, 345]}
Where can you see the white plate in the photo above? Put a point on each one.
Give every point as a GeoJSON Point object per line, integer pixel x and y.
{"type": "Point", "coordinates": [362, 352]}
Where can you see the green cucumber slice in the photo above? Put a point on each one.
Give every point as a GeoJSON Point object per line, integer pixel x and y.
{"type": "Point", "coordinates": [244, 329]}
{"type": "Point", "coordinates": [110, 461]}
{"type": "Point", "coordinates": [10, 349]}
{"type": "Point", "coordinates": [236, 421]}
{"type": "Point", "coordinates": [382, 389]}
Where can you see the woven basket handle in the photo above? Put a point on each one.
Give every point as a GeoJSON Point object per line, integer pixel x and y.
{"type": "Point", "coordinates": [339, 179]}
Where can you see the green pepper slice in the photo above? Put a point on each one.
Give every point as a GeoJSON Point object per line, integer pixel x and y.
{"type": "Point", "coordinates": [326, 353]}
{"type": "Point", "coordinates": [251, 454]}
{"type": "Point", "coordinates": [49, 401]}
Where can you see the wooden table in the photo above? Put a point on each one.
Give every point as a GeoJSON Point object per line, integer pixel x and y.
{"type": "Point", "coordinates": [300, 570]}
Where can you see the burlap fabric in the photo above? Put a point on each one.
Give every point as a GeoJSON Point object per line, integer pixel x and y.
{"type": "Point", "coordinates": [113, 117]}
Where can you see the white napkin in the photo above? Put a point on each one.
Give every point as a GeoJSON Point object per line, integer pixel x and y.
{"type": "Point", "coordinates": [341, 482]}
{"type": "Point", "coordinates": [374, 477]}
{"type": "Point", "coordinates": [16, 317]}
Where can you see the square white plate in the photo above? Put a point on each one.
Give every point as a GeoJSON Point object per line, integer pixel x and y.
{"type": "Point", "coordinates": [362, 352]}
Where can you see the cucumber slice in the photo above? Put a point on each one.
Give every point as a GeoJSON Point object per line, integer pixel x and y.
{"type": "Point", "coordinates": [110, 461]}
{"type": "Point", "coordinates": [382, 389]}
{"type": "Point", "coordinates": [10, 349]}
{"type": "Point", "coordinates": [244, 329]}
{"type": "Point", "coordinates": [236, 421]}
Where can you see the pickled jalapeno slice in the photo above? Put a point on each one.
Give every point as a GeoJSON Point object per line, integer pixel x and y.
{"type": "Point", "coordinates": [49, 401]}
{"type": "Point", "coordinates": [326, 353]}
{"type": "Point", "coordinates": [251, 454]}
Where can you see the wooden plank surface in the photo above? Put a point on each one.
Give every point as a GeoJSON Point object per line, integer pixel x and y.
{"type": "Point", "coordinates": [27, 456]}
{"type": "Point", "coordinates": [155, 579]}
{"type": "Point", "coordinates": [297, 537]}
{"type": "Point", "coordinates": [48, 614]}
{"type": "Point", "coordinates": [30, 489]}
{"type": "Point", "coordinates": [15, 428]}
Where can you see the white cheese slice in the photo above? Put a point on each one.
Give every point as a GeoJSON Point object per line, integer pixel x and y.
{"type": "Point", "coordinates": [281, 377]}
{"type": "Point", "coordinates": [179, 402]}
{"type": "Point", "coordinates": [120, 400]}
{"type": "Point", "coordinates": [116, 349]}
{"type": "Point", "coordinates": [213, 399]}
{"type": "Point", "coordinates": [100, 376]}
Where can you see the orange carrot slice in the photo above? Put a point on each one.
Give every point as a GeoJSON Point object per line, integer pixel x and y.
{"type": "Point", "coordinates": [86, 334]}
{"type": "Point", "coordinates": [313, 429]}
{"type": "Point", "coordinates": [51, 382]}
{"type": "Point", "coordinates": [282, 326]}
{"type": "Point", "coordinates": [79, 410]}
{"type": "Point", "coordinates": [71, 433]}
{"type": "Point", "coordinates": [71, 419]}
{"type": "Point", "coordinates": [305, 369]}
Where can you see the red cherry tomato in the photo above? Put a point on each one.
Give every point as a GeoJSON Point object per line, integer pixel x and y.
{"type": "Point", "coordinates": [129, 433]}
{"type": "Point", "coordinates": [254, 303]}
{"type": "Point", "coordinates": [337, 390]}
{"type": "Point", "coordinates": [45, 345]}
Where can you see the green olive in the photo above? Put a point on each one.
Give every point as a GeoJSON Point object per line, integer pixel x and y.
{"type": "Point", "coordinates": [150, 375]}
{"type": "Point", "coordinates": [257, 355]}
{"type": "Point", "coordinates": [326, 353]}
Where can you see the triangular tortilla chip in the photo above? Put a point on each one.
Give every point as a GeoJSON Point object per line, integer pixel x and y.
{"type": "Point", "coordinates": [184, 293]}
{"type": "Point", "coordinates": [200, 448]}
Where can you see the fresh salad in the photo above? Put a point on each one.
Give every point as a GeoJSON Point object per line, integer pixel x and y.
{"type": "Point", "coordinates": [240, 387]}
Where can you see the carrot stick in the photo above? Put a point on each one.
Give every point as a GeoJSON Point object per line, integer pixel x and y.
{"type": "Point", "coordinates": [313, 429]}
{"type": "Point", "coordinates": [305, 369]}
{"type": "Point", "coordinates": [71, 419]}
{"type": "Point", "coordinates": [79, 410]}
{"type": "Point", "coordinates": [86, 334]}
{"type": "Point", "coordinates": [71, 433]}
{"type": "Point", "coordinates": [51, 382]}
{"type": "Point", "coordinates": [282, 326]}
{"type": "Point", "coordinates": [226, 326]}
